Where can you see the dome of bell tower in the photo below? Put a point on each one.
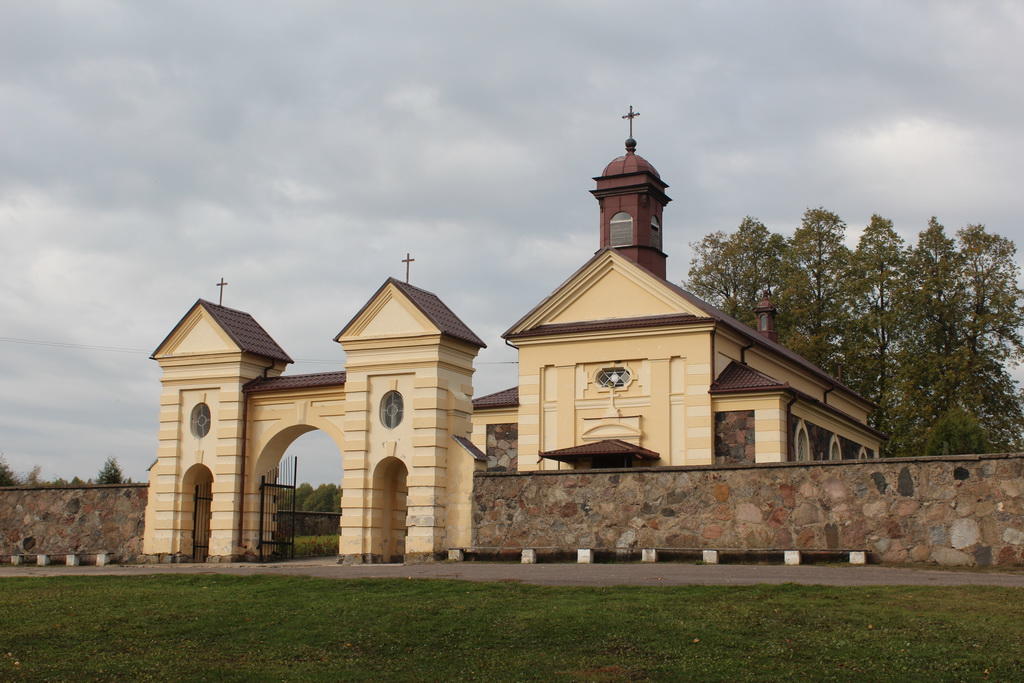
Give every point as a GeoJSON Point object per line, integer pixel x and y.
{"type": "Point", "coordinates": [630, 162]}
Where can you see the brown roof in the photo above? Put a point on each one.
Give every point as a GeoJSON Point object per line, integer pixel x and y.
{"type": "Point", "coordinates": [630, 162]}
{"type": "Point", "coordinates": [606, 447]}
{"type": "Point", "coordinates": [241, 327]}
{"type": "Point", "coordinates": [507, 398]}
{"type": "Point", "coordinates": [470, 448]}
{"type": "Point", "coordinates": [431, 306]}
{"type": "Point", "coordinates": [611, 324]}
{"type": "Point", "coordinates": [316, 379]}
{"type": "Point", "coordinates": [741, 377]}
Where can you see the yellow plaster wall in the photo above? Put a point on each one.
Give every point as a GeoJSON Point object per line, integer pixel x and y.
{"type": "Point", "coordinates": [665, 407]}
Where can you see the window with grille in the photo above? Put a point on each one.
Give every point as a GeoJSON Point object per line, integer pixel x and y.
{"type": "Point", "coordinates": [391, 409]}
{"type": "Point", "coordinates": [199, 423]}
{"type": "Point", "coordinates": [613, 377]}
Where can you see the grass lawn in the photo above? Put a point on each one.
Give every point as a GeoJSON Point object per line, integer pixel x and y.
{"type": "Point", "coordinates": [274, 628]}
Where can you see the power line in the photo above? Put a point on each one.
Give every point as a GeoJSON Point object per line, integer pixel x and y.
{"type": "Point", "coordinates": [126, 349]}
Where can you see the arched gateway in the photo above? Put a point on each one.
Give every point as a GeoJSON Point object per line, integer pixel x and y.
{"type": "Point", "coordinates": [228, 414]}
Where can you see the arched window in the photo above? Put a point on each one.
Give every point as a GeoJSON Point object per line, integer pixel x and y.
{"type": "Point", "coordinates": [655, 232]}
{"type": "Point", "coordinates": [803, 444]}
{"type": "Point", "coordinates": [199, 423]}
{"type": "Point", "coordinates": [862, 454]}
{"type": "Point", "coordinates": [391, 409]}
{"type": "Point", "coordinates": [621, 230]}
{"type": "Point", "coordinates": [762, 322]}
{"type": "Point", "coordinates": [834, 451]}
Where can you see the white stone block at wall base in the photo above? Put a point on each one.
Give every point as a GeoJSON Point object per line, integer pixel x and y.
{"type": "Point", "coordinates": [584, 556]}
{"type": "Point", "coordinates": [102, 559]}
{"type": "Point", "coordinates": [792, 557]}
{"type": "Point", "coordinates": [43, 560]}
{"type": "Point", "coordinates": [710, 556]}
{"type": "Point", "coordinates": [649, 555]}
{"type": "Point", "coordinates": [858, 557]}
{"type": "Point", "coordinates": [16, 559]}
{"type": "Point", "coordinates": [529, 556]}
{"type": "Point", "coordinates": [456, 555]}
{"type": "Point", "coordinates": [72, 560]}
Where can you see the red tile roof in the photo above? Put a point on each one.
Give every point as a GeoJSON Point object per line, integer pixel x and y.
{"type": "Point", "coordinates": [606, 447]}
{"type": "Point", "coordinates": [610, 324]}
{"type": "Point", "coordinates": [317, 379]}
{"type": "Point", "coordinates": [508, 398]}
{"type": "Point", "coordinates": [740, 377]}
{"type": "Point", "coordinates": [431, 306]}
{"type": "Point", "coordinates": [241, 327]}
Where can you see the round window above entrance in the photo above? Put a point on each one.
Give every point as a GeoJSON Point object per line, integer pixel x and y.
{"type": "Point", "coordinates": [613, 377]}
{"type": "Point", "coordinates": [200, 420]}
{"type": "Point", "coordinates": [391, 409]}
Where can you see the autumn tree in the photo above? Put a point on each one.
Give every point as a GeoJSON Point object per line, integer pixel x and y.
{"type": "Point", "coordinates": [732, 271]}
{"type": "Point", "coordinates": [812, 304]}
{"type": "Point", "coordinates": [874, 329]}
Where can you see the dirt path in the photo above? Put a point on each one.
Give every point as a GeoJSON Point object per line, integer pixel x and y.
{"type": "Point", "coordinates": [662, 574]}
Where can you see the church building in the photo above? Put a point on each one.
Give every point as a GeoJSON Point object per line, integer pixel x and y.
{"type": "Point", "coordinates": [618, 367]}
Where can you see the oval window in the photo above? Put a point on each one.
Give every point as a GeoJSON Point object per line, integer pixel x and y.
{"type": "Point", "coordinates": [613, 377]}
{"type": "Point", "coordinates": [391, 409]}
{"type": "Point", "coordinates": [621, 230]}
{"type": "Point", "coordinates": [200, 420]}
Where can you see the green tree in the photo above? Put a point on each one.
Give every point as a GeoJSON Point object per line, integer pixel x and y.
{"type": "Point", "coordinates": [875, 327]}
{"type": "Point", "coordinates": [956, 432]}
{"type": "Point", "coordinates": [7, 476]}
{"type": "Point", "coordinates": [812, 305]}
{"type": "Point", "coordinates": [110, 473]}
{"type": "Point", "coordinates": [732, 271]}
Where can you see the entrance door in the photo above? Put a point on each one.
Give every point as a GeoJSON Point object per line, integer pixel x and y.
{"type": "Point", "coordinates": [391, 509]}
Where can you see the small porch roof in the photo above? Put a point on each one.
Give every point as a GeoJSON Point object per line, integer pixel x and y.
{"type": "Point", "coordinates": [605, 447]}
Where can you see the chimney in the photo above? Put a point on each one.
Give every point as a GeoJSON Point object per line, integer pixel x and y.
{"type": "Point", "coordinates": [765, 312]}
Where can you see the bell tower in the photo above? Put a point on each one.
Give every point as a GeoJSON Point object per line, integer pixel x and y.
{"type": "Point", "coordinates": [632, 196]}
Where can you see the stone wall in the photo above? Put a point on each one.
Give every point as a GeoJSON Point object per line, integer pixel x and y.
{"type": "Point", "coordinates": [81, 519]}
{"type": "Point", "coordinates": [502, 447]}
{"type": "Point", "coordinates": [734, 437]}
{"type": "Point", "coordinates": [950, 510]}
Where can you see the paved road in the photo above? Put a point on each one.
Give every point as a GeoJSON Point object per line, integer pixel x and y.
{"type": "Point", "coordinates": [662, 574]}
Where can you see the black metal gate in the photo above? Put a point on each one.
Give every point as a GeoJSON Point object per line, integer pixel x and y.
{"type": "Point", "coordinates": [277, 500]}
{"type": "Point", "coordinates": [201, 522]}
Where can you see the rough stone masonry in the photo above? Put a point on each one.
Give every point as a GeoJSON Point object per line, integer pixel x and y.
{"type": "Point", "coordinates": [949, 510]}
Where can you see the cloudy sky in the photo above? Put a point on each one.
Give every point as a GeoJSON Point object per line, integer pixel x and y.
{"type": "Point", "coordinates": [300, 149]}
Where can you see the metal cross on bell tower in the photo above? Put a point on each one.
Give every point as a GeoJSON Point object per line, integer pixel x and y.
{"type": "Point", "coordinates": [631, 115]}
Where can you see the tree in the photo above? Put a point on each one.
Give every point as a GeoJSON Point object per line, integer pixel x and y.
{"type": "Point", "coordinates": [110, 473]}
{"type": "Point", "coordinates": [7, 476]}
{"type": "Point", "coordinates": [875, 327]}
{"type": "Point", "coordinates": [732, 271]}
{"type": "Point", "coordinates": [955, 433]}
{"type": "Point", "coordinates": [812, 310]}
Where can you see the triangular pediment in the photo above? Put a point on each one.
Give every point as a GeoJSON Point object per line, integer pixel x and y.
{"type": "Point", "coordinates": [197, 333]}
{"type": "Point", "coordinates": [388, 313]}
{"type": "Point", "coordinates": [608, 287]}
